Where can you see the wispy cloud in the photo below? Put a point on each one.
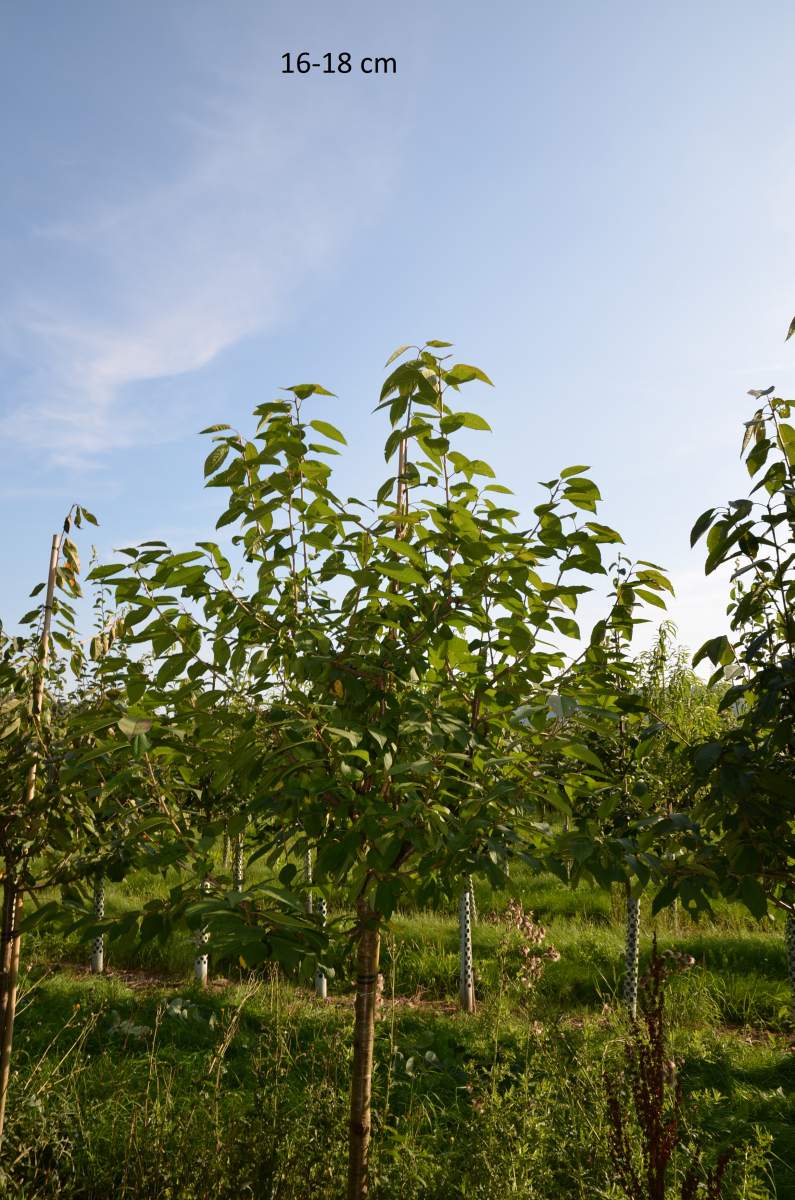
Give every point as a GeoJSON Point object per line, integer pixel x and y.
{"type": "Point", "coordinates": [162, 283]}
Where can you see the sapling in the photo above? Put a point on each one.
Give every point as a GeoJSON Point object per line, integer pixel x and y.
{"type": "Point", "coordinates": [25, 822]}
{"type": "Point", "coordinates": [385, 649]}
{"type": "Point", "coordinates": [741, 843]}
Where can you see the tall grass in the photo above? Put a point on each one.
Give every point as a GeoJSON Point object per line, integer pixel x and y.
{"type": "Point", "coordinates": [137, 1085]}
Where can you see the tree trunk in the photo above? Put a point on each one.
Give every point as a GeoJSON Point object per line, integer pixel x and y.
{"type": "Point", "coordinates": [790, 927]}
{"type": "Point", "coordinates": [363, 1041]}
{"type": "Point", "coordinates": [6, 941]}
{"type": "Point", "coordinates": [10, 1009]}
{"type": "Point", "coordinates": [632, 955]}
{"type": "Point", "coordinates": [98, 945]}
{"type": "Point", "coordinates": [321, 983]}
{"type": "Point", "coordinates": [10, 1004]}
{"type": "Point", "coordinates": [466, 977]}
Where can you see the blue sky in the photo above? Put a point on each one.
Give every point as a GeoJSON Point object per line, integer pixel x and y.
{"type": "Point", "coordinates": [594, 202]}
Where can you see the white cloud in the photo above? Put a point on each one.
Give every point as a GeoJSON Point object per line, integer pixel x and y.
{"type": "Point", "coordinates": [162, 283]}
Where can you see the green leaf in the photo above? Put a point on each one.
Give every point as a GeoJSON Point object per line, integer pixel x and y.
{"type": "Point", "coordinates": [173, 666]}
{"type": "Point", "coordinates": [329, 431]}
{"type": "Point", "coordinates": [786, 437]}
{"type": "Point", "coordinates": [470, 420]}
{"type": "Point", "coordinates": [134, 726]}
{"type": "Point", "coordinates": [302, 390]}
{"type": "Point", "coordinates": [701, 526]}
{"type": "Point", "coordinates": [753, 897]}
{"type": "Point", "coordinates": [464, 373]}
{"type": "Point", "coordinates": [598, 633]}
{"type": "Point", "coordinates": [436, 345]}
{"type": "Point", "coordinates": [569, 471]}
{"type": "Point", "coordinates": [719, 651]}
{"type": "Point", "coordinates": [791, 330]}
{"type": "Point", "coordinates": [215, 458]}
{"type": "Point", "coordinates": [397, 353]}
{"type": "Point", "coordinates": [758, 456]}
{"type": "Point", "coordinates": [650, 597]}
{"type": "Point", "coordinates": [583, 753]}
{"type": "Point", "coordinates": [402, 572]}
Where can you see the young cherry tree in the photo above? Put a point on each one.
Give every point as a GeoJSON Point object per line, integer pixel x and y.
{"type": "Point", "coordinates": [602, 721]}
{"type": "Point", "coordinates": [35, 827]}
{"type": "Point", "coordinates": [384, 648]}
{"type": "Point", "coordinates": [744, 843]}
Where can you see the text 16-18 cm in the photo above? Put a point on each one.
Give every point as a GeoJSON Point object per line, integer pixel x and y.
{"type": "Point", "coordinates": [337, 64]}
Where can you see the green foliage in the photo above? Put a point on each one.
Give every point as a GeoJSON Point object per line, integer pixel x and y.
{"type": "Point", "coordinates": [352, 679]}
{"type": "Point", "coordinates": [745, 847]}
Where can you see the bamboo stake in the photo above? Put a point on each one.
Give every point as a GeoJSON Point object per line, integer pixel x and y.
{"type": "Point", "coordinates": [16, 900]}
{"type": "Point", "coordinates": [363, 1042]}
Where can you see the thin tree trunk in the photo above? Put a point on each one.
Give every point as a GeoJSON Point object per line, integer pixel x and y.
{"type": "Point", "coordinates": [10, 1012]}
{"type": "Point", "coordinates": [363, 1041]}
{"type": "Point", "coordinates": [98, 945]}
{"type": "Point", "coordinates": [10, 1005]}
{"type": "Point", "coordinates": [632, 956]}
{"type": "Point", "coordinates": [466, 977]}
{"type": "Point", "coordinates": [225, 850]}
{"type": "Point", "coordinates": [7, 940]}
{"type": "Point", "coordinates": [790, 934]}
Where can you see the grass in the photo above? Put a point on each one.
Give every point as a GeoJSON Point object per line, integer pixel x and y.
{"type": "Point", "coordinates": [136, 1085]}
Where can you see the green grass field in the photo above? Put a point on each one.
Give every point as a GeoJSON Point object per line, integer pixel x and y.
{"type": "Point", "coordinates": [138, 1085]}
